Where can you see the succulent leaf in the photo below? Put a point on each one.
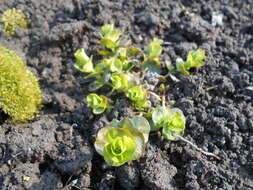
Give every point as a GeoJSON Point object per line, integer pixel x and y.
{"type": "Point", "coordinates": [140, 104]}
{"type": "Point", "coordinates": [109, 36]}
{"type": "Point", "coordinates": [154, 49]}
{"type": "Point", "coordinates": [108, 43]}
{"type": "Point", "coordinates": [175, 124]}
{"type": "Point", "coordinates": [115, 65]}
{"type": "Point", "coordinates": [95, 85]}
{"type": "Point", "coordinates": [132, 51]}
{"type": "Point", "coordinates": [106, 29]}
{"type": "Point", "coordinates": [83, 62]}
{"type": "Point", "coordinates": [119, 81]}
{"type": "Point", "coordinates": [101, 139]}
{"type": "Point", "coordinates": [142, 125]}
{"type": "Point", "coordinates": [136, 94]}
{"type": "Point", "coordinates": [195, 58]}
{"type": "Point", "coordinates": [159, 117]}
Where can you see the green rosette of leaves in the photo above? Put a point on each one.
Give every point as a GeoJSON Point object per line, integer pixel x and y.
{"type": "Point", "coordinates": [123, 141]}
{"type": "Point", "coordinates": [175, 125]}
{"type": "Point", "coordinates": [195, 58]}
{"type": "Point", "coordinates": [109, 36]}
{"type": "Point", "coordinates": [171, 120]}
{"type": "Point", "coordinates": [138, 96]}
{"type": "Point", "coordinates": [113, 64]}
{"type": "Point", "coordinates": [119, 81]}
{"type": "Point", "coordinates": [98, 103]}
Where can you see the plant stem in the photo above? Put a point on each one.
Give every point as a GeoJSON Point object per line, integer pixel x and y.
{"type": "Point", "coordinates": [154, 94]}
{"type": "Point", "coordinates": [110, 93]}
{"type": "Point", "coordinates": [197, 148]}
{"type": "Point", "coordinates": [163, 100]}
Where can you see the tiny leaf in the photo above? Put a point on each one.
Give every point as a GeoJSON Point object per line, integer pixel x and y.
{"type": "Point", "coordinates": [154, 49]}
{"type": "Point", "coordinates": [108, 43]}
{"type": "Point", "coordinates": [106, 29]}
{"type": "Point", "coordinates": [83, 62]}
{"type": "Point", "coordinates": [180, 65]}
{"type": "Point", "coordinates": [195, 58]}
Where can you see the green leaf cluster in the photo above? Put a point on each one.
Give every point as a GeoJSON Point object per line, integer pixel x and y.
{"type": "Point", "coordinates": [20, 94]}
{"type": "Point", "coordinates": [195, 59]}
{"type": "Point", "coordinates": [110, 37]}
{"type": "Point", "coordinates": [151, 58]}
{"type": "Point", "coordinates": [12, 19]}
{"type": "Point", "coordinates": [98, 103]}
{"type": "Point", "coordinates": [115, 68]}
{"type": "Point", "coordinates": [138, 97]}
{"type": "Point", "coordinates": [171, 120]}
{"type": "Point", "coordinates": [123, 140]}
{"type": "Point", "coordinates": [120, 68]}
{"type": "Point", "coordinates": [119, 81]}
{"type": "Point", "coordinates": [119, 62]}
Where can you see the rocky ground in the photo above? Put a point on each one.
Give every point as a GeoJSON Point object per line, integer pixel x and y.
{"type": "Point", "coordinates": [56, 149]}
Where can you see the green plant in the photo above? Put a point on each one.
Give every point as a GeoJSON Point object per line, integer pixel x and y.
{"type": "Point", "coordinates": [123, 140]}
{"type": "Point", "coordinates": [98, 103]}
{"type": "Point", "coordinates": [120, 61]}
{"type": "Point", "coordinates": [121, 68]}
{"type": "Point", "coordinates": [83, 62]}
{"type": "Point", "coordinates": [138, 97]}
{"type": "Point", "coordinates": [20, 95]}
{"type": "Point", "coordinates": [151, 58]}
{"type": "Point", "coordinates": [119, 81]}
{"type": "Point", "coordinates": [115, 68]}
{"type": "Point", "coordinates": [110, 37]}
{"type": "Point", "coordinates": [12, 19]}
{"type": "Point", "coordinates": [171, 120]}
{"type": "Point", "coordinates": [195, 58]}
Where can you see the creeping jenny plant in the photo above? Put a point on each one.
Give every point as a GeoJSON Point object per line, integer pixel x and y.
{"type": "Point", "coordinates": [20, 95]}
{"type": "Point", "coordinates": [121, 70]}
{"type": "Point", "coordinates": [123, 141]}
{"type": "Point", "coordinates": [115, 68]}
{"type": "Point", "coordinates": [12, 19]}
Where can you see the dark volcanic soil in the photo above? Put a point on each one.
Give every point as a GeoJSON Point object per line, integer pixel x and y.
{"type": "Point", "coordinates": [56, 150]}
